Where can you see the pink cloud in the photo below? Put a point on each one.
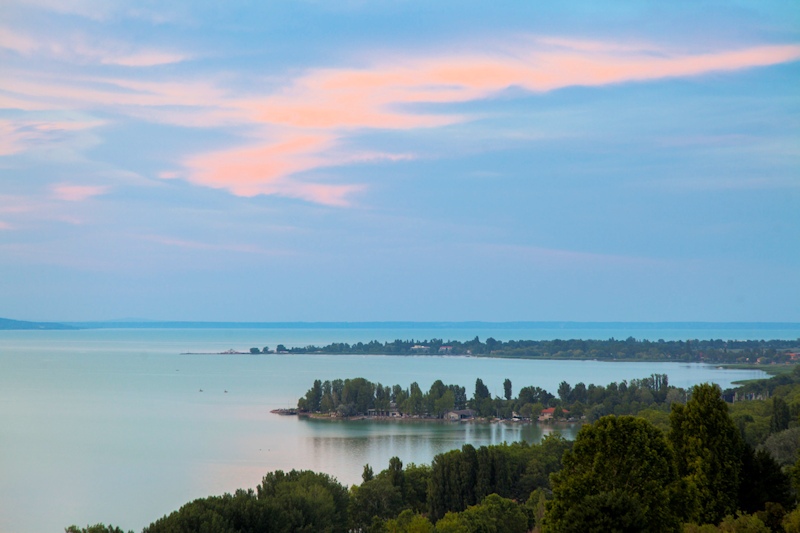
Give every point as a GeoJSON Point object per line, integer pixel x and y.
{"type": "Point", "coordinates": [77, 193]}
{"type": "Point", "coordinates": [145, 59]}
{"type": "Point", "coordinates": [4, 225]}
{"type": "Point", "coordinates": [337, 101]}
{"type": "Point", "coordinates": [302, 125]}
{"type": "Point", "coordinates": [265, 168]}
{"type": "Point", "coordinates": [11, 40]}
{"type": "Point", "coordinates": [13, 204]}
{"type": "Point", "coordinates": [169, 175]}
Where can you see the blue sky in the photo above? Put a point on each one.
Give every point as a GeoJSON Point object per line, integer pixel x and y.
{"type": "Point", "coordinates": [351, 161]}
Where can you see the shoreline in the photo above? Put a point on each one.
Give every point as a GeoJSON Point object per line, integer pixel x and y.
{"type": "Point", "coordinates": [418, 419]}
{"type": "Point", "coordinates": [771, 368]}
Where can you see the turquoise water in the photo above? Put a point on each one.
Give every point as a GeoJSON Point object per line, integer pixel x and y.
{"type": "Point", "coordinates": [111, 426]}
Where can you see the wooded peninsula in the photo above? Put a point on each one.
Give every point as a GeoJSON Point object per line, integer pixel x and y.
{"type": "Point", "coordinates": [650, 457]}
{"type": "Point", "coordinates": [706, 351]}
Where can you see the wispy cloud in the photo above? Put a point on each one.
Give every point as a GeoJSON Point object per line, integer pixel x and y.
{"type": "Point", "coordinates": [77, 193]}
{"type": "Point", "coordinates": [79, 48]}
{"type": "Point", "coordinates": [565, 257]}
{"type": "Point", "coordinates": [208, 246]}
{"type": "Point", "coordinates": [60, 207]}
{"type": "Point", "coordinates": [18, 135]}
{"type": "Point", "coordinates": [304, 124]}
{"type": "Point", "coordinates": [725, 183]}
{"type": "Point", "coordinates": [18, 42]}
{"type": "Point", "coordinates": [104, 10]}
{"type": "Point", "coordinates": [341, 101]}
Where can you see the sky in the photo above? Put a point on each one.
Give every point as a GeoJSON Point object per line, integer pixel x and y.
{"type": "Point", "coordinates": [379, 161]}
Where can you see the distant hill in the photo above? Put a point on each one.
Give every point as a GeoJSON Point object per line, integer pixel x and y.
{"type": "Point", "coordinates": [7, 323]}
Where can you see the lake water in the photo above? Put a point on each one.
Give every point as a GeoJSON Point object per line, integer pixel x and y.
{"type": "Point", "coordinates": [112, 426]}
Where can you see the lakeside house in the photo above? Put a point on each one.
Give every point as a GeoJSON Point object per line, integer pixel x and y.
{"type": "Point", "coordinates": [390, 412]}
{"type": "Point", "coordinates": [460, 414]}
{"type": "Point", "coordinates": [547, 414]}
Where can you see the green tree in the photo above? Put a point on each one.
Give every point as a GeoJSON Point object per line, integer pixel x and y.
{"type": "Point", "coordinates": [372, 502]}
{"type": "Point", "coordinates": [708, 452]}
{"type": "Point", "coordinates": [481, 391]}
{"type": "Point", "coordinates": [408, 522]}
{"type": "Point", "coordinates": [395, 473]}
{"type": "Point", "coordinates": [452, 523]}
{"type": "Point", "coordinates": [742, 523]}
{"type": "Point", "coordinates": [493, 515]}
{"type": "Point", "coordinates": [564, 392]}
{"type": "Point", "coordinates": [579, 393]}
{"type": "Point", "coordinates": [444, 404]}
{"type": "Point", "coordinates": [779, 421]}
{"type": "Point", "coordinates": [791, 522]}
{"type": "Point", "coordinates": [535, 508]}
{"type": "Point", "coordinates": [306, 501]}
{"type": "Point", "coordinates": [313, 397]}
{"type": "Point", "coordinates": [415, 490]}
{"type": "Point", "coordinates": [618, 476]}
{"type": "Point", "coordinates": [300, 501]}
{"type": "Point", "coordinates": [367, 474]}
{"type": "Point", "coordinates": [97, 528]}
{"type": "Point", "coordinates": [794, 475]}
{"type": "Point", "coordinates": [507, 389]}
{"type": "Point", "coordinates": [496, 515]}
{"type": "Point", "coordinates": [452, 482]}
{"type": "Point", "coordinates": [220, 514]}
{"type": "Point", "coordinates": [762, 481]}
{"type": "Point", "coordinates": [545, 458]}
{"type": "Point", "coordinates": [784, 446]}
{"type": "Point", "coordinates": [414, 404]}
{"type": "Point", "coordinates": [360, 393]}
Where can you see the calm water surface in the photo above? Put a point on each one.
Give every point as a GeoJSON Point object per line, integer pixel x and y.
{"type": "Point", "coordinates": [112, 426]}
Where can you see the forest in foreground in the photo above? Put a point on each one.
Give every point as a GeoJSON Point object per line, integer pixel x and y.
{"type": "Point", "coordinates": [706, 465]}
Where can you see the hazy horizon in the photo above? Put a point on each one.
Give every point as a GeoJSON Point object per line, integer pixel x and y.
{"type": "Point", "coordinates": [429, 323]}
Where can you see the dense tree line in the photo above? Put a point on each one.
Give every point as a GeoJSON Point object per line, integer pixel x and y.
{"type": "Point", "coordinates": [712, 350]}
{"type": "Point", "coordinates": [698, 473]}
{"type": "Point", "coordinates": [359, 396]}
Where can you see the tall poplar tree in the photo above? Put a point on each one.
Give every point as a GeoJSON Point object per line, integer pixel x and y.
{"type": "Point", "coordinates": [708, 450]}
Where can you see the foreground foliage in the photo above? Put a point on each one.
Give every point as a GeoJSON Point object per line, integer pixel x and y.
{"type": "Point", "coordinates": [300, 501]}
{"type": "Point", "coordinates": [620, 474]}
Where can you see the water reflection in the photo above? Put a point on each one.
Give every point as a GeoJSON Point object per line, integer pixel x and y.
{"type": "Point", "coordinates": [342, 447]}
